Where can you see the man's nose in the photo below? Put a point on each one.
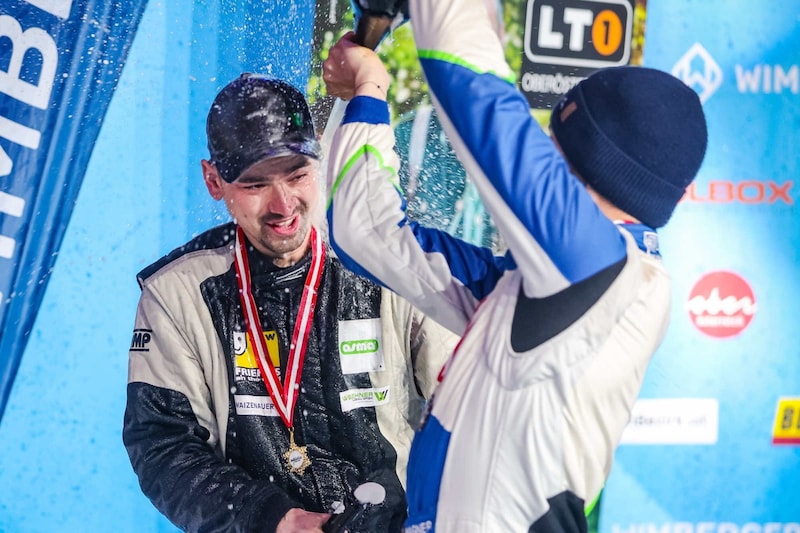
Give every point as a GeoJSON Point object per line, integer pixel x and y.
{"type": "Point", "coordinates": [281, 201]}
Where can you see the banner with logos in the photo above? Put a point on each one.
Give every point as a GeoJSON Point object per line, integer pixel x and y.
{"type": "Point", "coordinates": [714, 443]}
{"type": "Point", "coordinates": [60, 61]}
{"type": "Point", "coordinates": [564, 41]}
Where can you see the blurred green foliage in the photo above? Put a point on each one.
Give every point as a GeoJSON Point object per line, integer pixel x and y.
{"type": "Point", "coordinates": [408, 89]}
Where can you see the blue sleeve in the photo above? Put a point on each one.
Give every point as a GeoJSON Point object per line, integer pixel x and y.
{"type": "Point", "coordinates": [556, 232]}
{"type": "Point", "coordinates": [441, 275]}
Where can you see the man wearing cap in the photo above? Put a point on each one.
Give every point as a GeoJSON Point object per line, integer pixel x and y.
{"type": "Point", "coordinates": [266, 382]}
{"type": "Point", "coordinates": [558, 333]}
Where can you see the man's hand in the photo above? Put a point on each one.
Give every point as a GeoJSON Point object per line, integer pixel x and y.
{"type": "Point", "coordinates": [301, 521]}
{"type": "Point", "coordinates": [354, 70]}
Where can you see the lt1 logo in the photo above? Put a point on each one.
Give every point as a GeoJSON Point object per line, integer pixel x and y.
{"type": "Point", "coordinates": [579, 33]}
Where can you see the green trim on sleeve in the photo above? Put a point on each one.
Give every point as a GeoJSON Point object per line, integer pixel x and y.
{"type": "Point", "coordinates": [450, 58]}
{"type": "Point", "coordinates": [592, 513]}
{"type": "Point", "coordinates": [362, 152]}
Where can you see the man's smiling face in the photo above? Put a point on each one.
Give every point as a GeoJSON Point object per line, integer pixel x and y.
{"type": "Point", "coordinates": [273, 201]}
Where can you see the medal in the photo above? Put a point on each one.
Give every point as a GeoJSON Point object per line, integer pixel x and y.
{"type": "Point", "coordinates": [296, 457]}
{"type": "Point", "coordinates": [284, 396]}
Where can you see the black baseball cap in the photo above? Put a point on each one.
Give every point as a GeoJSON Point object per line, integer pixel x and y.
{"type": "Point", "coordinates": [257, 117]}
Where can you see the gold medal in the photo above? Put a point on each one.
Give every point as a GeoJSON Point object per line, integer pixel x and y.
{"type": "Point", "coordinates": [296, 457]}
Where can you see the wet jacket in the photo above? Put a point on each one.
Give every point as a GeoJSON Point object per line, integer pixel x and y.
{"type": "Point", "coordinates": [201, 433]}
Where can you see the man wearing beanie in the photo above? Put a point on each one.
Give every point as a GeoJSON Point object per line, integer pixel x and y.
{"type": "Point", "coordinates": [558, 333]}
{"type": "Point", "coordinates": [266, 382]}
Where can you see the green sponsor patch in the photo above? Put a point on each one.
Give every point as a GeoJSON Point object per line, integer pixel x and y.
{"type": "Point", "coordinates": [358, 347]}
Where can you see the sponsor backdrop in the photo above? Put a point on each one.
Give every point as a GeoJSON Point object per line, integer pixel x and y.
{"type": "Point", "coordinates": [714, 445]}
{"type": "Point", "coordinates": [563, 41]}
{"type": "Point", "coordinates": [60, 61]}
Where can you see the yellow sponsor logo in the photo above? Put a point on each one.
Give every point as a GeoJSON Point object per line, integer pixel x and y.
{"type": "Point", "coordinates": [248, 358]}
{"type": "Point", "coordinates": [786, 429]}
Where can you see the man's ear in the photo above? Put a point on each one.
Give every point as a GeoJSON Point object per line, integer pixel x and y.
{"type": "Point", "coordinates": [212, 179]}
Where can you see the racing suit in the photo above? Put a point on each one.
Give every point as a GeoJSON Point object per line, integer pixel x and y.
{"type": "Point", "coordinates": [201, 432]}
{"type": "Point", "coordinates": [557, 333]}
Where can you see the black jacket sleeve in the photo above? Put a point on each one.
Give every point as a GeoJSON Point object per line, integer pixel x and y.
{"type": "Point", "coordinates": [184, 477]}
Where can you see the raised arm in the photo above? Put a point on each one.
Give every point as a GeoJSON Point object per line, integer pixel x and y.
{"type": "Point", "coordinates": [443, 276]}
{"type": "Point", "coordinates": [550, 223]}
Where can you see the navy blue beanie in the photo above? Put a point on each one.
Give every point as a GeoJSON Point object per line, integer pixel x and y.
{"type": "Point", "coordinates": [636, 135]}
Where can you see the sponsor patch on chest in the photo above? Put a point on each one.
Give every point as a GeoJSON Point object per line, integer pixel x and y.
{"type": "Point", "coordinates": [361, 346]}
{"type": "Point", "coordinates": [356, 398]}
{"type": "Point", "coordinates": [245, 365]}
{"type": "Point", "coordinates": [246, 404]}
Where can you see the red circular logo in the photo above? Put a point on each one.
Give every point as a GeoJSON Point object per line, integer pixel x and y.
{"type": "Point", "coordinates": [721, 304]}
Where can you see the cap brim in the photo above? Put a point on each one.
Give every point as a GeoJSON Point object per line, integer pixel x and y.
{"type": "Point", "coordinates": [230, 169]}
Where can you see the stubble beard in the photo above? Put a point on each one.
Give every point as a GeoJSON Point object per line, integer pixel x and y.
{"type": "Point", "coordinates": [289, 249]}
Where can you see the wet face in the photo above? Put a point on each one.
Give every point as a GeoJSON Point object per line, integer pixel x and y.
{"type": "Point", "coordinates": [273, 202]}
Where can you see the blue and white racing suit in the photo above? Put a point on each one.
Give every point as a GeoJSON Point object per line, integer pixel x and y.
{"type": "Point", "coordinates": [557, 334]}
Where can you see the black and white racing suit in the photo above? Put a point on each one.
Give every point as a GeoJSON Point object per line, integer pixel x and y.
{"type": "Point", "coordinates": [203, 436]}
